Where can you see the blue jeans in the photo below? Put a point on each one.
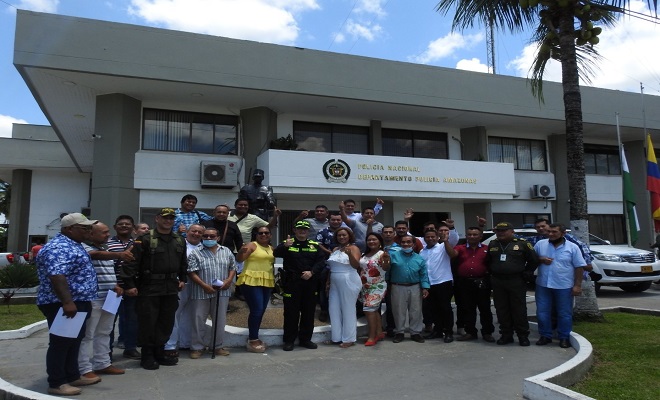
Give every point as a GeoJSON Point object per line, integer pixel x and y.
{"type": "Point", "coordinates": [62, 355]}
{"type": "Point", "coordinates": [257, 298]}
{"type": "Point", "coordinates": [128, 322]}
{"type": "Point", "coordinates": [561, 300]}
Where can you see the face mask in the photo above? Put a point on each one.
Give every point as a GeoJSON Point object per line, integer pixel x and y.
{"type": "Point", "coordinates": [209, 243]}
{"type": "Point", "coordinates": [408, 250]}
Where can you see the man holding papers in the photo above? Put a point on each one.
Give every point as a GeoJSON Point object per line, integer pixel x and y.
{"type": "Point", "coordinates": [67, 286]}
{"type": "Point", "coordinates": [94, 356]}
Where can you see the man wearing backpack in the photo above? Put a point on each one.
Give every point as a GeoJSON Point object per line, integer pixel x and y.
{"type": "Point", "coordinates": [156, 276]}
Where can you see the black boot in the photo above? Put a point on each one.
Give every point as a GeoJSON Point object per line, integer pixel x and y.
{"type": "Point", "coordinates": [147, 360]}
{"type": "Point", "coordinates": [159, 353]}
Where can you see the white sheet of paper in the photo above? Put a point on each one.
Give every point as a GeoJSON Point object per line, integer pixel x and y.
{"type": "Point", "coordinates": [67, 327]}
{"type": "Point", "coordinates": [112, 302]}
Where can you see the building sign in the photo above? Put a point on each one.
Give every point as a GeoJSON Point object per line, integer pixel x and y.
{"type": "Point", "coordinates": [409, 176]}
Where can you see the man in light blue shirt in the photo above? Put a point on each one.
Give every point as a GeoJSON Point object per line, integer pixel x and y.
{"type": "Point", "coordinates": [559, 279]}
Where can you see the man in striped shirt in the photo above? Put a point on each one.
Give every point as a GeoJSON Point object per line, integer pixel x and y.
{"type": "Point", "coordinates": [211, 271]}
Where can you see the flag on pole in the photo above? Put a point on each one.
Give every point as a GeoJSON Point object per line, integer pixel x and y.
{"type": "Point", "coordinates": [653, 182]}
{"type": "Point", "coordinates": [629, 201]}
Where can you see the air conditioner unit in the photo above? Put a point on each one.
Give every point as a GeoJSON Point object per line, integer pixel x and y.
{"type": "Point", "coordinates": [219, 173]}
{"type": "Point", "coordinates": [542, 191]}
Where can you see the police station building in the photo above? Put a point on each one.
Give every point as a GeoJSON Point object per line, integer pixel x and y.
{"type": "Point", "coordinates": [141, 116]}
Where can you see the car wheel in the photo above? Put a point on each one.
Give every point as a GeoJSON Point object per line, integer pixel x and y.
{"type": "Point", "coordinates": [636, 287]}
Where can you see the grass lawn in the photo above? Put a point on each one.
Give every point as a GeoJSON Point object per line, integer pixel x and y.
{"type": "Point", "coordinates": [627, 357]}
{"type": "Point", "coordinates": [16, 316]}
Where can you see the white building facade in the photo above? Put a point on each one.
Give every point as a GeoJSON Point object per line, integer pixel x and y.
{"type": "Point", "coordinates": [140, 114]}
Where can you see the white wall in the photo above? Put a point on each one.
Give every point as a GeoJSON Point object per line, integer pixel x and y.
{"type": "Point", "coordinates": [55, 192]}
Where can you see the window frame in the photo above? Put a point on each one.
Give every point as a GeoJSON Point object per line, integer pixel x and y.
{"type": "Point", "coordinates": [333, 131]}
{"type": "Point", "coordinates": [511, 155]}
{"type": "Point", "coordinates": [414, 136]}
{"type": "Point", "coordinates": [611, 154]}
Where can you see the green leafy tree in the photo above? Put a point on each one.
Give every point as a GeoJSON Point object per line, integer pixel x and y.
{"type": "Point", "coordinates": [5, 196]}
{"type": "Point", "coordinates": [566, 31]}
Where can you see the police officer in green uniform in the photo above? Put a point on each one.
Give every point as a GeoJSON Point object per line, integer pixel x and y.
{"type": "Point", "coordinates": [156, 276]}
{"type": "Point", "coordinates": [509, 259]}
{"type": "Point", "coordinates": [303, 261]}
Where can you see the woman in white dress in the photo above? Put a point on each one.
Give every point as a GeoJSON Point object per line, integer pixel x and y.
{"type": "Point", "coordinates": [345, 285]}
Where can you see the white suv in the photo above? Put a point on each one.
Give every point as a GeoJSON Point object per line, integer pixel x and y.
{"type": "Point", "coordinates": [629, 268]}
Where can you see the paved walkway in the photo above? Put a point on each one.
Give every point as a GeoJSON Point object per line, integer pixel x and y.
{"type": "Point", "coordinates": [465, 370]}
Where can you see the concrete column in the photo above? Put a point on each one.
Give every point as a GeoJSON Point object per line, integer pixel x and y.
{"type": "Point", "coordinates": [557, 151]}
{"type": "Point", "coordinates": [19, 210]}
{"type": "Point", "coordinates": [118, 123]}
{"type": "Point", "coordinates": [376, 138]}
{"type": "Point", "coordinates": [472, 210]}
{"type": "Point", "coordinates": [475, 144]}
{"type": "Point", "coordinates": [259, 127]}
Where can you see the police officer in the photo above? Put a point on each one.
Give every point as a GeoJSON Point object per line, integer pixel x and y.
{"type": "Point", "coordinates": [156, 276]}
{"type": "Point", "coordinates": [303, 261]}
{"type": "Point", "coordinates": [260, 197]}
{"type": "Point", "coordinates": [509, 259]}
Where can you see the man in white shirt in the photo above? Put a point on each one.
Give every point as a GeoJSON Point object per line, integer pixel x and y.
{"type": "Point", "coordinates": [437, 254]}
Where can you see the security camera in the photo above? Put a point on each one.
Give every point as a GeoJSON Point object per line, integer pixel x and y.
{"type": "Point", "coordinates": [95, 136]}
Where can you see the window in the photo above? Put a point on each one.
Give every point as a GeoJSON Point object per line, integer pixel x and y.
{"type": "Point", "coordinates": [189, 132]}
{"type": "Point", "coordinates": [524, 154]}
{"type": "Point", "coordinates": [601, 160]}
{"type": "Point", "coordinates": [406, 143]}
{"type": "Point", "coordinates": [331, 138]}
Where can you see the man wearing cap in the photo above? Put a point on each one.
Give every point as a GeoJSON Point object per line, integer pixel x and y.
{"type": "Point", "coordinates": [156, 276]}
{"type": "Point", "coordinates": [303, 261]}
{"type": "Point", "coordinates": [509, 258]}
{"type": "Point", "coordinates": [260, 197]}
{"type": "Point", "coordinates": [187, 215]}
{"type": "Point", "coordinates": [67, 283]}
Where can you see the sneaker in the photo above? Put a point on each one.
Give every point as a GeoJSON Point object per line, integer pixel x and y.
{"type": "Point", "coordinates": [64, 390]}
{"type": "Point", "coordinates": [133, 354]}
{"type": "Point", "coordinates": [110, 370]}
{"type": "Point", "coordinates": [195, 354]}
{"type": "Point", "coordinates": [221, 351]}
{"type": "Point", "coordinates": [87, 379]}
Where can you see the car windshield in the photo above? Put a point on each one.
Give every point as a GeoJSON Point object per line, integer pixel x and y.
{"type": "Point", "coordinates": [596, 241]}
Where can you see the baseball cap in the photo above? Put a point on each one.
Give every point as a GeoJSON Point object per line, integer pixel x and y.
{"type": "Point", "coordinates": [503, 226]}
{"type": "Point", "coordinates": [303, 225]}
{"type": "Point", "coordinates": [76, 219]}
{"type": "Point", "coordinates": [164, 212]}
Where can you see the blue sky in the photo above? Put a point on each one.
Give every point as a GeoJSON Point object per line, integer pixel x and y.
{"type": "Point", "coordinates": [402, 30]}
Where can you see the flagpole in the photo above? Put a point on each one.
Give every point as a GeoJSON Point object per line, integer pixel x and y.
{"type": "Point", "coordinates": [645, 134]}
{"type": "Point", "coordinates": [623, 196]}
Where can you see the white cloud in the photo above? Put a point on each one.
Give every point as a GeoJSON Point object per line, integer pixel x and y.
{"type": "Point", "coordinates": [472, 65]}
{"type": "Point", "coordinates": [261, 20]}
{"type": "Point", "coordinates": [49, 6]}
{"type": "Point", "coordinates": [5, 124]}
{"type": "Point", "coordinates": [339, 37]}
{"type": "Point", "coordinates": [446, 46]}
{"type": "Point", "coordinates": [628, 51]}
{"type": "Point", "coordinates": [366, 31]}
{"type": "Point", "coordinates": [371, 7]}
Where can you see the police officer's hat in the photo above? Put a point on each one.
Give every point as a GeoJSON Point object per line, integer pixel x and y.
{"type": "Point", "coordinates": [258, 172]}
{"type": "Point", "coordinates": [503, 226]}
{"type": "Point", "coordinates": [166, 212]}
{"type": "Point", "coordinates": [302, 225]}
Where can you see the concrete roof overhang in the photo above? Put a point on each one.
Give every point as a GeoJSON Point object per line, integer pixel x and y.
{"type": "Point", "coordinates": [67, 62]}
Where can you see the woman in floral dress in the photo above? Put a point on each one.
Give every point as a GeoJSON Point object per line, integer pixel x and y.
{"type": "Point", "coordinates": [373, 264]}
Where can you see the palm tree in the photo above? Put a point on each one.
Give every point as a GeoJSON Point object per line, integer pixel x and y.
{"type": "Point", "coordinates": [564, 31]}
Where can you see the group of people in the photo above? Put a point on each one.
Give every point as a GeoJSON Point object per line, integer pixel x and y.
{"type": "Point", "coordinates": [173, 277]}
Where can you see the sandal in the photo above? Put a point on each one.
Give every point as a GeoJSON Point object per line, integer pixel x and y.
{"type": "Point", "coordinates": [345, 345]}
{"type": "Point", "coordinates": [255, 346]}
{"type": "Point", "coordinates": [371, 342]}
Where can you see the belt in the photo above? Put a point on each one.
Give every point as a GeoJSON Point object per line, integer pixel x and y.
{"type": "Point", "coordinates": [164, 276]}
{"type": "Point", "coordinates": [404, 284]}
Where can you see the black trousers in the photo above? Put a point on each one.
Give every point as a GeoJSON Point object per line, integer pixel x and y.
{"type": "Point", "coordinates": [155, 319]}
{"type": "Point", "coordinates": [509, 292]}
{"type": "Point", "coordinates": [439, 303]}
{"type": "Point", "coordinates": [62, 354]}
{"type": "Point", "coordinates": [472, 298]}
{"type": "Point", "coordinates": [299, 308]}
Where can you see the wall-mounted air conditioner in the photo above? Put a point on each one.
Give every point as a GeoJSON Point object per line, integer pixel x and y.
{"type": "Point", "coordinates": [221, 173]}
{"type": "Point", "coordinates": [542, 191]}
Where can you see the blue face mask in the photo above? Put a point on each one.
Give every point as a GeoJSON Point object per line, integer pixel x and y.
{"type": "Point", "coordinates": [209, 243]}
{"type": "Point", "coordinates": [408, 250]}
